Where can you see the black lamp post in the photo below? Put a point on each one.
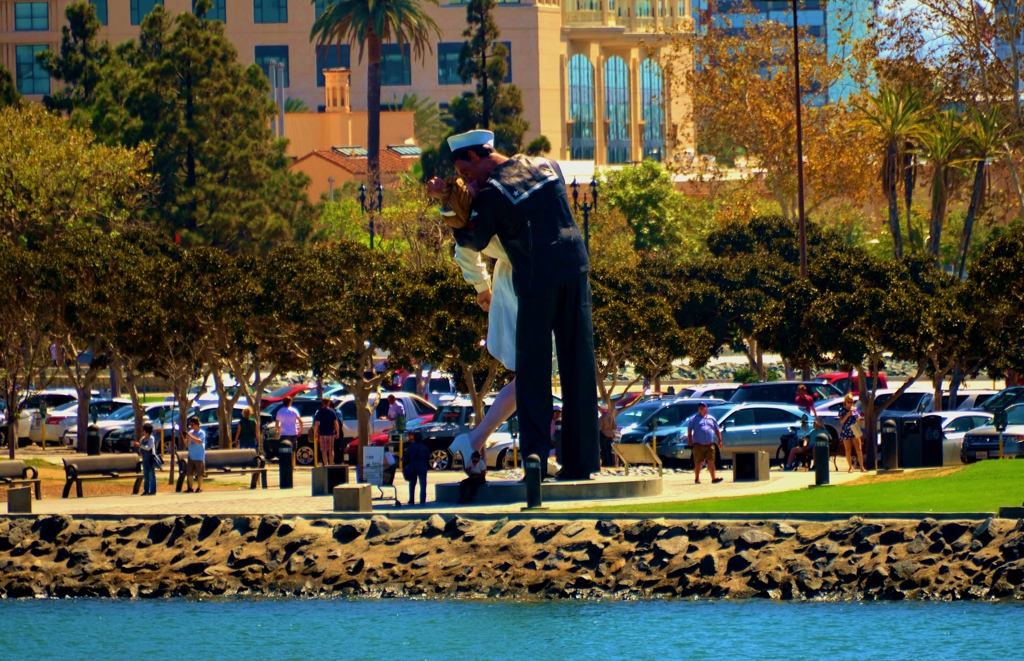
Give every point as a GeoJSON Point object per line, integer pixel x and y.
{"type": "Point", "coordinates": [593, 192]}
{"type": "Point", "coordinates": [586, 207]}
{"type": "Point", "coordinates": [575, 186]}
{"type": "Point", "coordinates": [370, 209]}
{"type": "Point", "coordinates": [799, 150]}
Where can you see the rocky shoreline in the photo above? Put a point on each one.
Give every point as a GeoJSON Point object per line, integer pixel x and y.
{"type": "Point", "coordinates": [58, 556]}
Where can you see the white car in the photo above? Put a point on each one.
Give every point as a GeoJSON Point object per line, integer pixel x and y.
{"type": "Point", "coordinates": [440, 387]}
{"type": "Point", "coordinates": [415, 407]}
{"type": "Point", "coordinates": [59, 419]}
{"type": "Point", "coordinates": [498, 448]}
{"type": "Point", "coordinates": [120, 419]}
{"type": "Point", "coordinates": [29, 406]}
{"type": "Point", "coordinates": [955, 425]}
{"type": "Point", "coordinates": [721, 391]}
{"type": "Point", "coordinates": [969, 400]}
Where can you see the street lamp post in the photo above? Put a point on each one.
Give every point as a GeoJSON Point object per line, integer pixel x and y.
{"type": "Point", "coordinates": [799, 150]}
{"type": "Point", "coordinates": [330, 182]}
{"type": "Point", "coordinates": [586, 207]}
{"type": "Point", "coordinates": [370, 209]}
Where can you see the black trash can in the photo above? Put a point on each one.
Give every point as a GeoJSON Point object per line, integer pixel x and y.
{"type": "Point", "coordinates": [890, 445]}
{"type": "Point", "coordinates": [92, 441]}
{"type": "Point", "coordinates": [909, 427]}
{"type": "Point", "coordinates": [931, 441]}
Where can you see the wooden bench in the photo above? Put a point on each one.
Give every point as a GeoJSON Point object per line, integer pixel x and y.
{"type": "Point", "coordinates": [103, 467]}
{"type": "Point", "coordinates": [228, 462]}
{"type": "Point", "coordinates": [15, 473]}
{"type": "Point", "coordinates": [636, 453]}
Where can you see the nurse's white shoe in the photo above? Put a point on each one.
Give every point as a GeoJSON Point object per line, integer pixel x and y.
{"type": "Point", "coordinates": [461, 445]}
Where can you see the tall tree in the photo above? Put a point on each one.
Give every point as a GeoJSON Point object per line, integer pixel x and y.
{"type": "Point", "coordinates": [9, 95]}
{"type": "Point", "coordinates": [986, 135]}
{"type": "Point", "coordinates": [222, 178]}
{"type": "Point", "coordinates": [80, 63]}
{"type": "Point", "coordinates": [941, 143]}
{"type": "Point", "coordinates": [368, 25]}
{"type": "Point", "coordinates": [55, 178]}
{"type": "Point", "coordinates": [894, 119]}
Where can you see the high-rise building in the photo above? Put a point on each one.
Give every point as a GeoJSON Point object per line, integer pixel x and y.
{"type": "Point", "coordinates": [839, 23]}
{"type": "Point", "coordinates": [588, 69]}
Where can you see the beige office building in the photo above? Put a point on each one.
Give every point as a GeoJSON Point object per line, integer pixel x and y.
{"type": "Point", "coordinates": [588, 81]}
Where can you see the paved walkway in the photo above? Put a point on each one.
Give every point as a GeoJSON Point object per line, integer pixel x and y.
{"type": "Point", "coordinates": [677, 486]}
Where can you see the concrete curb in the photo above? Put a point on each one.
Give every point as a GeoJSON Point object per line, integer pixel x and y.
{"type": "Point", "coordinates": [419, 515]}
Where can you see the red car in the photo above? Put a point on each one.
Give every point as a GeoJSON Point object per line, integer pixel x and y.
{"type": "Point", "coordinates": [376, 440]}
{"type": "Point", "coordinates": [276, 395]}
{"type": "Point", "coordinates": [841, 380]}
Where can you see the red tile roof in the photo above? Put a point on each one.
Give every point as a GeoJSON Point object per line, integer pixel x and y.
{"type": "Point", "coordinates": [390, 162]}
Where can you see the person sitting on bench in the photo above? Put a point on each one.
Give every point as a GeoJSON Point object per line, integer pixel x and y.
{"type": "Point", "coordinates": [476, 471]}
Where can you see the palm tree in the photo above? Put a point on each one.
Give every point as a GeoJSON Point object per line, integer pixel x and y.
{"type": "Point", "coordinates": [895, 117]}
{"type": "Point", "coordinates": [368, 24]}
{"type": "Point", "coordinates": [985, 140]}
{"type": "Point", "coordinates": [942, 145]}
{"type": "Point", "coordinates": [295, 105]}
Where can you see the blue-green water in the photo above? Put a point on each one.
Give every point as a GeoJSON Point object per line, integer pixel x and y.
{"type": "Point", "coordinates": [388, 630]}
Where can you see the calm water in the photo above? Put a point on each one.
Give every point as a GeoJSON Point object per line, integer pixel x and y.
{"type": "Point", "coordinates": [399, 629]}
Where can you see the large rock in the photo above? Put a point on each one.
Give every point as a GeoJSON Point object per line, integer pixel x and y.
{"type": "Point", "coordinates": [546, 531]}
{"type": "Point", "coordinates": [379, 526]}
{"type": "Point", "coordinates": [49, 526]}
{"type": "Point", "coordinates": [344, 532]}
{"type": "Point", "coordinates": [754, 539]}
{"type": "Point", "coordinates": [709, 564]}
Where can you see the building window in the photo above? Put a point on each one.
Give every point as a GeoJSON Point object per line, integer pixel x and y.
{"type": "Point", "coordinates": [330, 57]}
{"type": "Point", "coordinates": [101, 10]}
{"type": "Point", "coordinates": [270, 11]}
{"type": "Point", "coordinates": [616, 109]}
{"type": "Point", "coordinates": [216, 12]}
{"type": "Point", "coordinates": [29, 16]}
{"type": "Point", "coordinates": [320, 6]}
{"type": "Point", "coordinates": [395, 65]}
{"type": "Point", "coordinates": [581, 108]}
{"type": "Point", "coordinates": [31, 77]}
{"type": "Point", "coordinates": [267, 54]}
{"type": "Point", "coordinates": [448, 63]}
{"type": "Point", "coordinates": [140, 9]}
{"type": "Point", "coordinates": [652, 105]}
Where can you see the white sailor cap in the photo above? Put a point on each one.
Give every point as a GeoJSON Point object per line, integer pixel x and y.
{"type": "Point", "coordinates": [471, 139]}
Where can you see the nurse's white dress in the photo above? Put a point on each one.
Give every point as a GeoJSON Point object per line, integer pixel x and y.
{"type": "Point", "coordinates": [501, 327]}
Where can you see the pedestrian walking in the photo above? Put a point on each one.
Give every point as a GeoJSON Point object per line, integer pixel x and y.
{"type": "Point", "coordinates": [325, 430]}
{"type": "Point", "coordinates": [196, 464]}
{"type": "Point", "coordinates": [415, 464]}
{"type": "Point", "coordinates": [248, 433]}
{"type": "Point", "coordinates": [288, 423]}
{"type": "Point", "coordinates": [850, 434]}
{"type": "Point", "coordinates": [805, 402]}
{"type": "Point", "coordinates": [150, 459]}
{"type": "Point", "coordinates": [476, 476]}
{"type": "Point", "coordinates": [701, 434]}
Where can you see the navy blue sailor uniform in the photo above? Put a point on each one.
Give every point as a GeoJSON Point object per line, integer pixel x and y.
{"type": "Point", "coordinates": [525, 204]}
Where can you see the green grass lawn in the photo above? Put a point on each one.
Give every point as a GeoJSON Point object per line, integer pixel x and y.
{"type": "Point", "coordinates": [982, 487]}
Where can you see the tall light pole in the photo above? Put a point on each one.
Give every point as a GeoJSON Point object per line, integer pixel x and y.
{"type": "Point", "coordinates": [799, 150]}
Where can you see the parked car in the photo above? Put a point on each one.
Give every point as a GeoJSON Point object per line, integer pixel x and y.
{"type": "Point", "coordinates": [120, 423]}
{"type": "Point", "coordinates": [29, 406]}
{"type": "Point", "coordinates": [956, 425]}
{"type": "Point", "coordinates": [844, 383]}
{"type": "Point", "coordinates": [745, 428]}
{"type": "Point", "coordinates": [307, 408]}
{"type": "Point", "coordinates": [451, 419]}
{"type": "Point", "coordinates": [381, 439]}
{"type": "Point", "coordinates": [968, 400]}
{"type": "Point", "coordinates": [278, 394]}
{"type": "Point", "coordinates": [723, 391]}
{"type": "Point", "coordinates": [62, 417]}
{"type": "Point", "coordinates": [910, 402]}
{"type": "Point", "coordinates": [665, 421]}
{"type": "Point", "coordinates": [983, 443]}
{"type": "Point", "coordinates": [782, 392]}
{"type": "Point", "coordinates": [440, 387]}
{"type": "Point", "coordinates": [1006, 398]}
{"type": "Point", "coordinates": [635, 418]}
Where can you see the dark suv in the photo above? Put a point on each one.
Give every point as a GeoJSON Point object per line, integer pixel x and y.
{"type": "Point", "coordinates": [451, 419]}
{"type": "Point", "coordinates": [782, 392]}
{"type": "Point", "coordinates": [1005, 399]}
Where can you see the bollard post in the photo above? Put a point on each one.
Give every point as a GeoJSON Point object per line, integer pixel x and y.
{"type": "Point", "coordinates": [513, 428]}
{"type": "Point", "coordinates": [284, 465]}
{"type": "Point", "coordinates": [821, 440]}
{"type": "Point", "coordinates": [532, 467]}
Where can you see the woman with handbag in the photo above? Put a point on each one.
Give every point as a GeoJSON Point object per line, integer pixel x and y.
{"type": "Point", "coordinates": [851, 433]}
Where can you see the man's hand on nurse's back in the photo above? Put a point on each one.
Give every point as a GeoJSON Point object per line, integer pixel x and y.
{"type": "Point", "coordinates": [435, 187]}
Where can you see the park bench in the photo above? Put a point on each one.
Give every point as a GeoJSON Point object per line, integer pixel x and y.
{"type": "Point", "coordinates": [636, 453]}
{"type": "Point", "coordinates": [102, 467]}
{"type": "Point", "coordinates": [14, 473]}
{"type": "Point", "coordinates": [228, 462]}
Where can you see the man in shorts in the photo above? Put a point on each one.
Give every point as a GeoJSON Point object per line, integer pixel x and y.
{"type": "Point", "coordinates": [288, 423]}
{"type": "Point", "coordinates": [196, 464]}
{"type": "Point", "coordinates": [701, 434]}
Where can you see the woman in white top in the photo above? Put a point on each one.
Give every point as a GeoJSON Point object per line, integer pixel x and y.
{"type": "Point", "coordinates": [497, 297]}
